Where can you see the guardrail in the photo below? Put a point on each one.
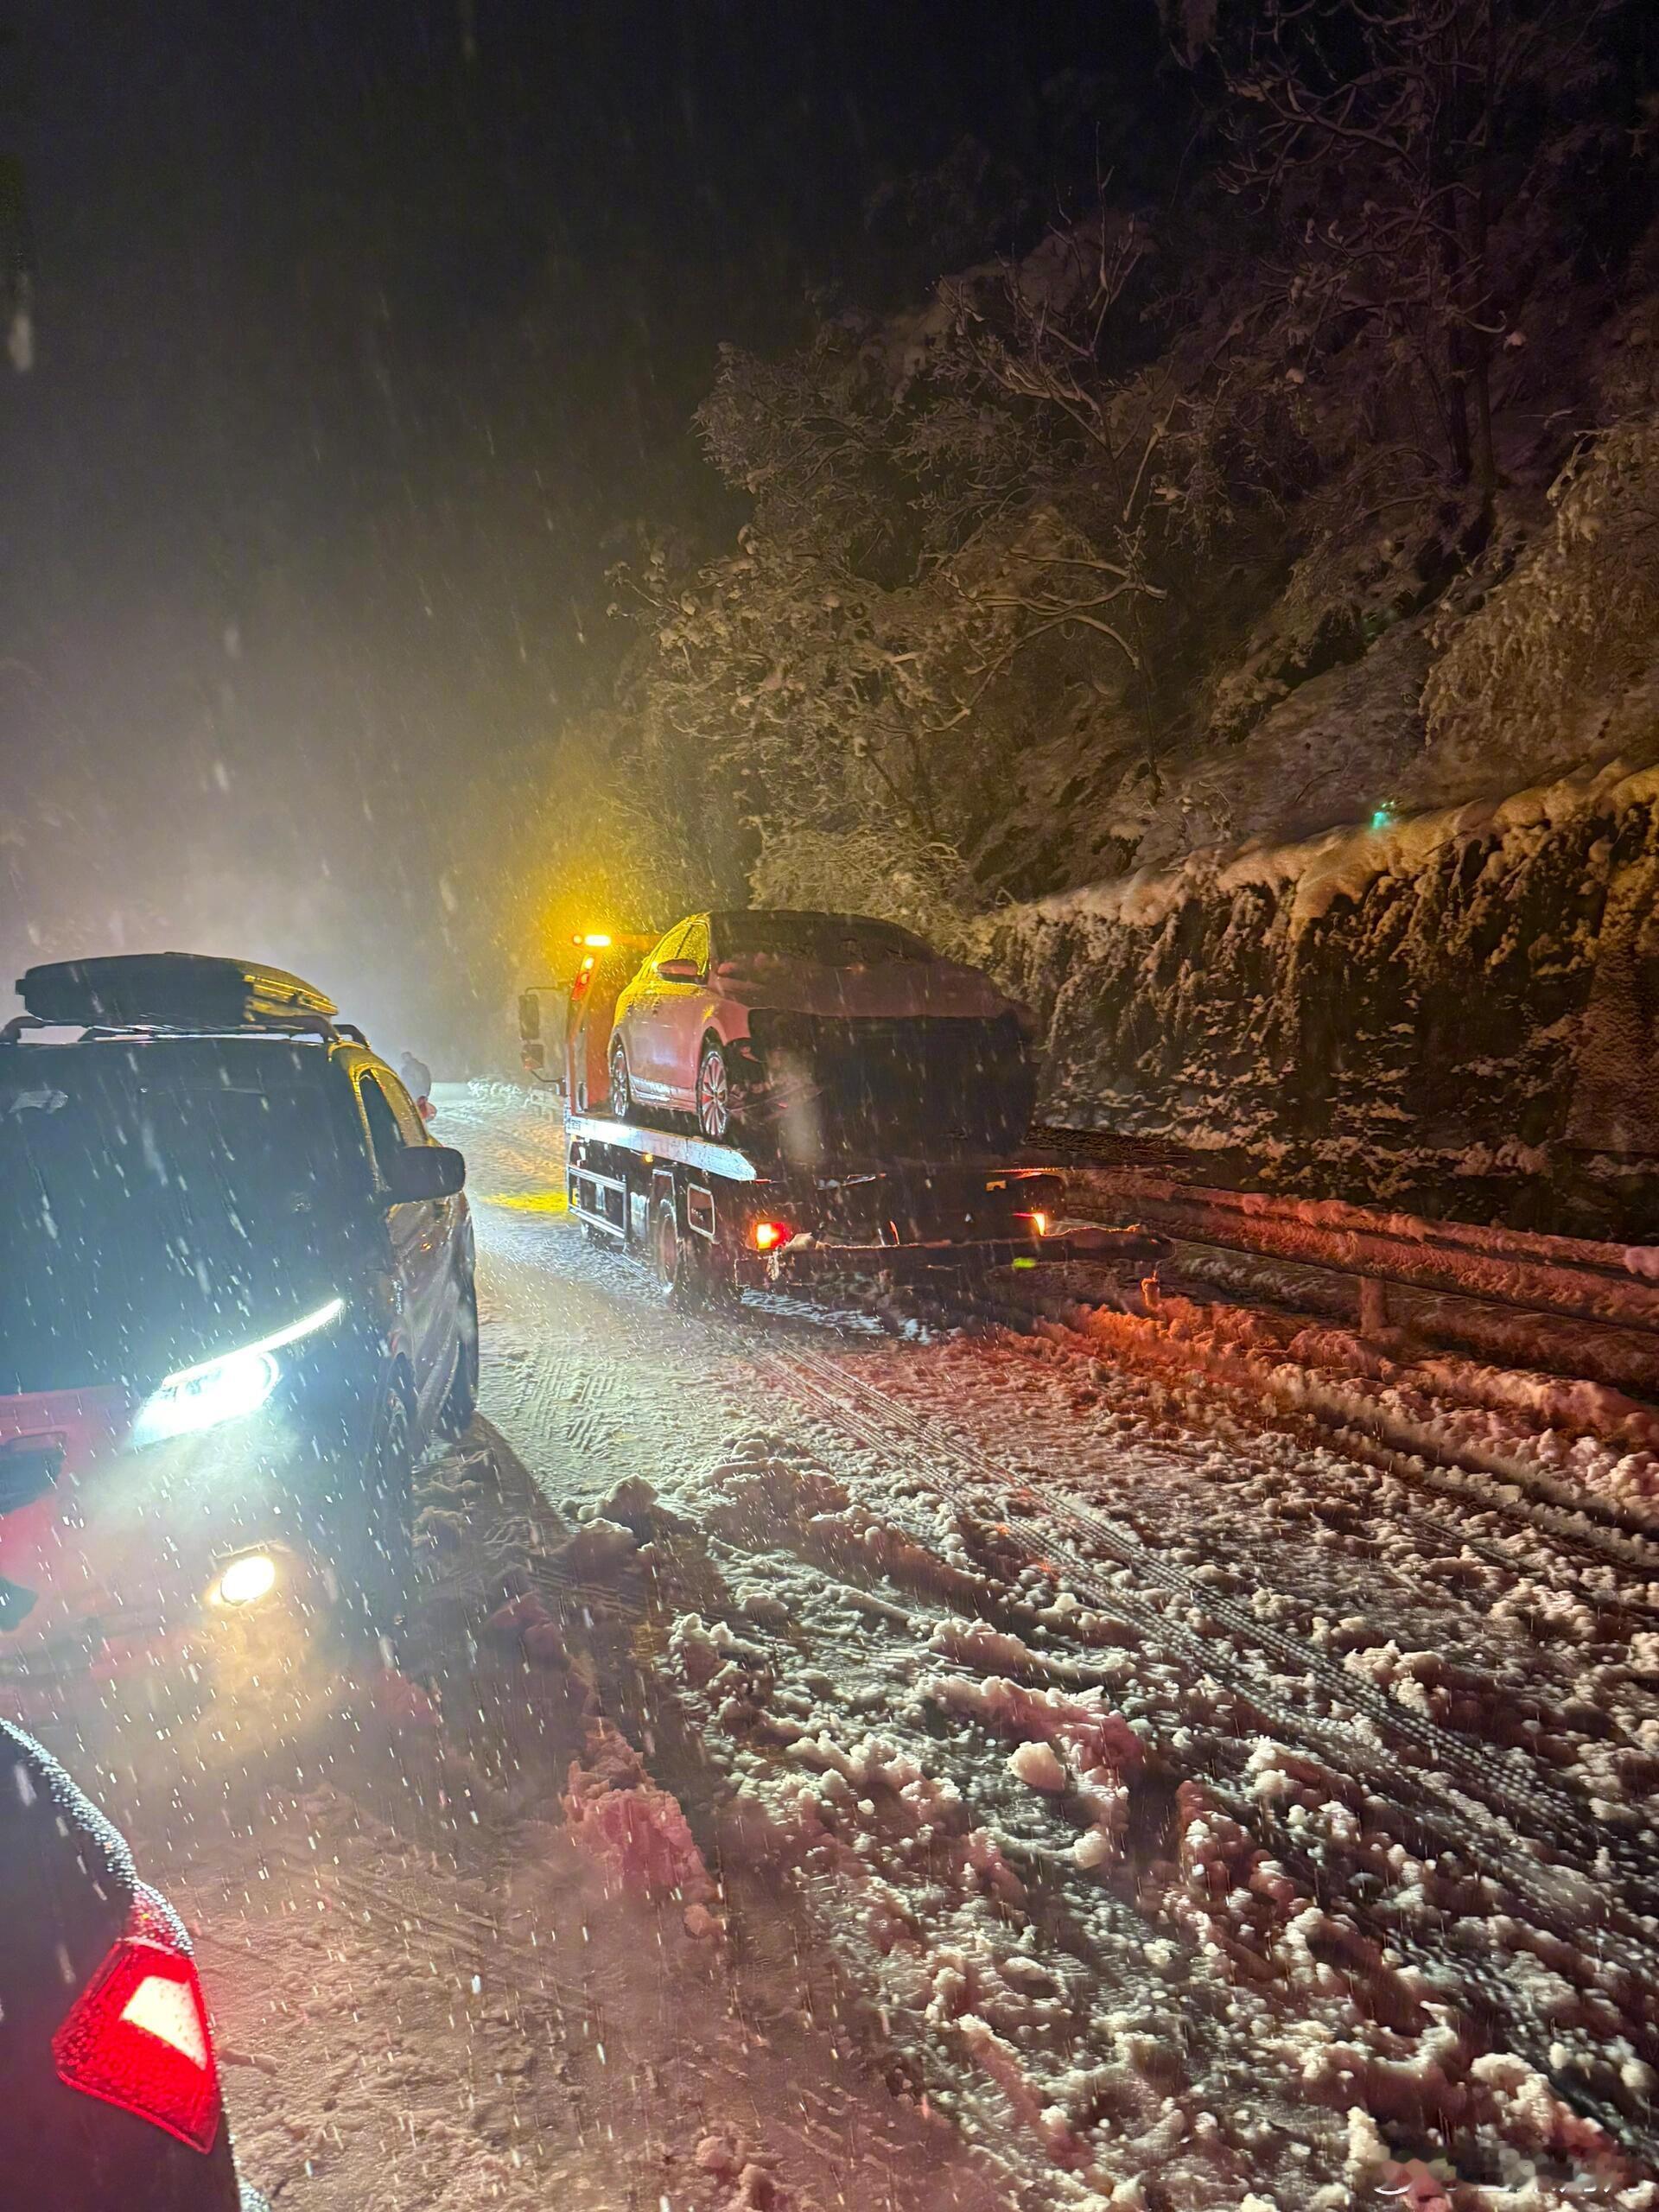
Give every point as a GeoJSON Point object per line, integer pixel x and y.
{"type": "Point", "coordinates": [1592, 1309]}
{"type": "Point", "coordinates": [1616, 1286]}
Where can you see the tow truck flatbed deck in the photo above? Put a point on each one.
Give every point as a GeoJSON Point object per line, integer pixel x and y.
{"type": "Point", "coordinates": [736, 1166]}
{"type": "Point", "coordinates": [667, 1144]}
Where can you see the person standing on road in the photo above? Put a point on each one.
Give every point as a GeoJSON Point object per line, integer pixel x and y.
{"type": "Point", "coordinates": [417, 1081]}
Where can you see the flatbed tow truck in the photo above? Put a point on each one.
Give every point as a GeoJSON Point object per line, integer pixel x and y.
{"type": "Point", "coordinates": [712, 1218]}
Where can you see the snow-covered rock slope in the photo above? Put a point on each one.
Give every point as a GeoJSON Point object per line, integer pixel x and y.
{"type": "Point", "coordinates": [1444, 999]}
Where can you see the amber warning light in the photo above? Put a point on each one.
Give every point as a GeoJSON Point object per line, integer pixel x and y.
{"type": "Point", "coordinates": [767, 1236]}
{"type": "Point", "coordinates": [596, 942]}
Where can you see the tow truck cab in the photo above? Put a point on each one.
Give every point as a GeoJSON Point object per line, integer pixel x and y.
{"type": "Point", "coordinates": [564, 1027]}
{"type": "Point", "coordinates": [542, 1010]}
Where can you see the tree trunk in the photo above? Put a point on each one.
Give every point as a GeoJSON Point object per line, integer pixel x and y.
{"type": "Point", "coordinates": [1457, 404]}
{"type": "Point", "coordinates": [1486, 458]}
{"type": "Point", "coordinates": [1484, 455]}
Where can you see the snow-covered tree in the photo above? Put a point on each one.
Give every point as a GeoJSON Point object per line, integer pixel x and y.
{"type": "Point", "coordinates": [1412, 155]}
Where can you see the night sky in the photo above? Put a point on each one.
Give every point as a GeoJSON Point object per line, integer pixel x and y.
{"type": "Point", "coordinates": [365, 331]}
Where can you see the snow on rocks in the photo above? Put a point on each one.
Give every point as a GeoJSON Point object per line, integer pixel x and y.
{"type": "Point", "coordinates": [1035, 1764]}
{"type": "Point", "coordinates": [597, 1548]}
{"type": "Point", "coordinates": [629, 1825]}
{"type": "Point", "coordinates": [1169, 993]}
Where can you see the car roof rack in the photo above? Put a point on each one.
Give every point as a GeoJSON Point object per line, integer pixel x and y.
{"type": "Point", "coordinates": [186, 993]}
{"type": "Point", "coordinates": [327, 1033]}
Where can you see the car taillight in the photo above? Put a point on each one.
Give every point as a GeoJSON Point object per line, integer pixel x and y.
{"type": "Point", "coordinates": [139, 2039]}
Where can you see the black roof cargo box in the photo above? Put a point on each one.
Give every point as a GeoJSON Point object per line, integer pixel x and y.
{"type": "Point", "coordinates": [171, 990]}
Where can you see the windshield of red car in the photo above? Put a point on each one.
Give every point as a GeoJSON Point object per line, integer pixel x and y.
{"type": "Point", "coordinates": [826, 940]}
{"type": "Point", "coordinates": [146, 1221]}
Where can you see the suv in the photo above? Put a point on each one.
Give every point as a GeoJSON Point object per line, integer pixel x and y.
{"type": "Point", "coordinates": [236, 1304]}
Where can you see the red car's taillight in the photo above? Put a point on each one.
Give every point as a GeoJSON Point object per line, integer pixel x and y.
{"type": "Point", "coordinates": [139, 2038]}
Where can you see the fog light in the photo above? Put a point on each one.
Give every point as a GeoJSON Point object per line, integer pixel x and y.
{"type": "Point", "coordinates": [246, 1580]}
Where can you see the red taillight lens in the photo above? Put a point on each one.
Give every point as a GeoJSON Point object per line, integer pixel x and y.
{"type": "Point", "coordinates": [769, 1235]}
{"type": "Point", "coordinates": [139, 2038]}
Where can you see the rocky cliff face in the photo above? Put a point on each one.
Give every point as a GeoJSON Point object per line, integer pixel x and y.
{"type": "Point", "coordinates": [1438, 1012]}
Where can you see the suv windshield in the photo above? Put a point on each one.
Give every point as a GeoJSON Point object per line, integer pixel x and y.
{"type": "Point", "coordinates": [827, 940]}
{"type": "Point", "coordinates": [157, 1208]}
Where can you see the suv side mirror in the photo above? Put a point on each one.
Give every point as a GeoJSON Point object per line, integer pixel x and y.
{"type": "Point", "coordinates": [680, 971]}
{"type": "Point", "coordinates": [423, 1170]}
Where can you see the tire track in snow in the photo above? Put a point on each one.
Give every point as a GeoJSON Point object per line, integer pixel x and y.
{"type": "Point", "coordinates": [1526, 1804]}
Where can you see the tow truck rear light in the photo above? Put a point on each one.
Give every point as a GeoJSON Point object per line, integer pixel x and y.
{"type": "Point", "coordinates": [767, 1236]}
{"type": "Point", "coordinates": [138, 2037]}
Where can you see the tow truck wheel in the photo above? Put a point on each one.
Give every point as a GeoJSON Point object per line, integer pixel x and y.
{"type": "Point", "coordinates": [677, 1266]}
{"type": "Point", "coordinates": [713, 1095]}
{"type": "Point", "coordinates": [621, 1088]}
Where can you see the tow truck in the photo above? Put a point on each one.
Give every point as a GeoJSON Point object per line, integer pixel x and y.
{"type": "Point", "coordinates": [712, 1219]}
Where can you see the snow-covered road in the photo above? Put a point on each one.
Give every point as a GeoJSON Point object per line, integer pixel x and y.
{"type": "Point", "coordinates": [1157, 1756]}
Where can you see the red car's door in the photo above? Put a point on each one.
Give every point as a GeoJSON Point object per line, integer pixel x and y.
{"type": "Point", "coordinates": [679, 1015]}
{"type": "Point", "coordinates": [640, 1025]}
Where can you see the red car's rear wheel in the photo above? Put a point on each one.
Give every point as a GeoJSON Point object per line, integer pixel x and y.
{"type": "Point", "coordinates": [621, 1088]}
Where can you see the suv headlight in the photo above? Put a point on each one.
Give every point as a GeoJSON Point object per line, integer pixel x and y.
{"type": "Point", "coordinates": [225, 1388]}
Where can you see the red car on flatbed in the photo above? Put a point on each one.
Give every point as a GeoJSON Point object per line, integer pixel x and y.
{"type": "Point", "coordinates": [821, 1033]}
